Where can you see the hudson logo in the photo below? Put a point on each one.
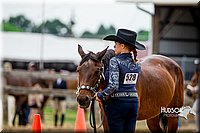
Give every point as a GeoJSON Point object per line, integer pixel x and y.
{"type": "Point", "coordinates": [177, 112]}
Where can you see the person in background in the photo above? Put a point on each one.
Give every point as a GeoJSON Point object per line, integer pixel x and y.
{"type": "Point", "coordinates": [59, 101]}
{"type": "Point", "coordinates": [31, 67]}
{"type": "Point", "coordinates": [34, 100]}
{"type": "Point", "coordinates": [7, 67]}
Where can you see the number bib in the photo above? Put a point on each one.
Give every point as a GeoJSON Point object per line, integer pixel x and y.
{"type": "Point", "coordinates": [130, 78]}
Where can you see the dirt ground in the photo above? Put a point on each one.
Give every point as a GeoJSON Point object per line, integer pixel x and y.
{"type": "Point", "coordinates": [187, 126]}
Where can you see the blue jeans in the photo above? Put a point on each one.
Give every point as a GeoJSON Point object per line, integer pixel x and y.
{"type": "Point", "coordinates": [121, 115]}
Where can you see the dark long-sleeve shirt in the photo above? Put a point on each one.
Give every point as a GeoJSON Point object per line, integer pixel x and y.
{"type": "Point", "coordinates": [123, 74]}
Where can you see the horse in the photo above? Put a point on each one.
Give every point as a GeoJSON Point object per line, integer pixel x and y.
{"type": "Point", "coordinates": [160, 84]}
{"type": "Point", "coordinates": [193, 82]}
{"type": "Point", "coordinates": [21, 101]}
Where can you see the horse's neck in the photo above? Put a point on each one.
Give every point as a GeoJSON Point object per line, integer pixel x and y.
{"type": "Point", "coordinates": [102, 86]}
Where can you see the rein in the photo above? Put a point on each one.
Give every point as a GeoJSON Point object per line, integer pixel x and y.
{"type": "Point", "coordinates": [92, 117]}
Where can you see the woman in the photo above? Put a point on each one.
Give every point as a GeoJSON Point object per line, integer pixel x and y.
{"type": "Point", "coordinates": [121, 94]}
{"type": "Point", "coordinates": [35, 103]}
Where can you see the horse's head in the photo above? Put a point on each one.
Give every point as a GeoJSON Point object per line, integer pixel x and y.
{"type": "Point", "coordinates": [90, 72]}
{"type": "Point", "coordinates": [193, 82]}
{"type": "Point", "coordinates": [195, 79]}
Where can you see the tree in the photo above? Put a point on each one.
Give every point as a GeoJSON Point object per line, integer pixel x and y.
{"type": "Point", "coordinates": [10, 27]}
{"type": "Point", "coordinates": [143, 35]}
{"type": "Point", "coordinates": [21, 22]}
{"type": "Point", "coordinates": [88, 34]}
{"type": "Point", "coordinates": [55, 27]}
{"type": "Point", "coordinates": [101, 32]}
{"type": "Point", "coordinates": [111, 30]}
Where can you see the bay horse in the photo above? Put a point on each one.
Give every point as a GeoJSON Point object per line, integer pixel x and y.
{"type": "Point", "coordinates": [160, 84]}
{"type": "Point", "coordinates": [21, 101]}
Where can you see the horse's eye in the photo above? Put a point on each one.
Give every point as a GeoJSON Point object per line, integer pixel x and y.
{"type": "Point", "coordinates": [101, 69]}
{"type": "Point", "coordinates": [97, 72]}
{"type": "Point", "coordinates": [78, 68]}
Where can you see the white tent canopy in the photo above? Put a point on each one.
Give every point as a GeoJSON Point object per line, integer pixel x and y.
{"type": "Point", "coordinates": [28, 46]}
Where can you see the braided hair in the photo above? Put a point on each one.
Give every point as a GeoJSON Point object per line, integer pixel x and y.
{"type": "Point", "coordinates": [133, 51]}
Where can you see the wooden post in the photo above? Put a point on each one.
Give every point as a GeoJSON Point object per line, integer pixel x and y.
{"type": "Point", "coordinates": [156, 18]}
{"type": "Point", "coordinates": [5, 103]}
{"type": "Point", "coordinates": [5, 109]}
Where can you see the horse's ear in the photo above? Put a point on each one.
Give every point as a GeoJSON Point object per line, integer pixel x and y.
{"type": "Point", "coordinates": [101, 54]}
{"type": "Point", "coordinates": [80, 51]}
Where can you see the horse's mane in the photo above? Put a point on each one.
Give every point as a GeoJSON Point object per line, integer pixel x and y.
{"type": "Point", "coordinates": [89, 56]}
{"type": "Point", "coordinates": [106, 58]}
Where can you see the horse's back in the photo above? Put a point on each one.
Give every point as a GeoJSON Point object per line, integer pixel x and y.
{"type": "Point", "coordinates": [12, 79]}
{"type": "Point", "coordinates": [156, 85]}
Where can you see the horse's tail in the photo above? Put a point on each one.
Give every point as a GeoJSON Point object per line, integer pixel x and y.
{"type": "Point", "coordinates": [178, 97]}
{"type": "Point", "coordinates": [179, 88]}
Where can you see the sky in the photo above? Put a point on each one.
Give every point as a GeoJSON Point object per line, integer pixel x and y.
{"type": "Point", "coordinates": [87, 14]}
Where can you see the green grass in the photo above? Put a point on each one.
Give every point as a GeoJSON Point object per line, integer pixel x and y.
{"type": "Point", "coordinates": [70, 117]}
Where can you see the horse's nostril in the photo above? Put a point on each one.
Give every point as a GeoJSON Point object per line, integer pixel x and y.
{"type": "Point", "coordinates": [86, 98]}
{"type": "Point", "coordinates": [83, 101]}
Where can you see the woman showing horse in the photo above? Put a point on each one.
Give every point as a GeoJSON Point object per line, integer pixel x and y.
{"type": "Point", "coordinates": [121, 94]}
{"type": "Point", "coordinates": [159, 84]}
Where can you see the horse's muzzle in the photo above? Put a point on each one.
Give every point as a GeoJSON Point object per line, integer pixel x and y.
{"type": "Point", "coordinates": [84, 101]}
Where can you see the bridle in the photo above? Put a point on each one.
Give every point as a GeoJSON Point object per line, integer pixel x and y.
{"type": "Point", "coordinates": [92, 88]}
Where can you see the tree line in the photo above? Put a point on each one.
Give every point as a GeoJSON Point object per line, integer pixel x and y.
{"type": "Point", "coordinates": [56, 27]}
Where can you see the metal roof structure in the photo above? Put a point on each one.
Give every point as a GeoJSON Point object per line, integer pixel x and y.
{"type": "Point", "coordinates": [163, 2]}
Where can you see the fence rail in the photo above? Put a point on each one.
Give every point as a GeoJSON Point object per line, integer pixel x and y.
{"type": "Point", "coordinates": [45, 91]}
{"type": "Point", "coordinates": [42, 74]}
{"type": "Point", "coordinates": [19, 90]}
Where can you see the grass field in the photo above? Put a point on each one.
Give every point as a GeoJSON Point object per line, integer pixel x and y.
{"type": "Point", "coordinates": [70, 118]}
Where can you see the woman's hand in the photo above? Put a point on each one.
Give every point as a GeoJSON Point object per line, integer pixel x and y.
{"type": "Point", "coordinates": [96, 98]}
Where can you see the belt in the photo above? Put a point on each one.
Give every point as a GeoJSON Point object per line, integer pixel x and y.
{"type": "Point", "coordinates": [125, 94]}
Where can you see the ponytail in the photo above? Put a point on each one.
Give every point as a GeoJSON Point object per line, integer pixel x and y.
{"type": "Point", "coordinates": [134, 52]}
{"type": "Point", "coordinates": [134, 55]}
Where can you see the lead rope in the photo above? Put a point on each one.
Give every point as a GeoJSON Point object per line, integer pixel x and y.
{"type": "Point", "coordinates": [135, 56]}
{"type": "Point", "coordinates": [92, 109]}
{"type": "Point", "coordinates": [92, 117]}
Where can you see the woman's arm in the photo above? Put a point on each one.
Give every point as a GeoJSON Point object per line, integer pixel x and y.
{"type": "Point", "coordinates": [113, 84]}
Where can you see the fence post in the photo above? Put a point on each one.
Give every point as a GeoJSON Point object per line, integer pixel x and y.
{"type": "Point", "coordinates": [5, 102]}
{"type": "Point", "coordinates": [5, 109]}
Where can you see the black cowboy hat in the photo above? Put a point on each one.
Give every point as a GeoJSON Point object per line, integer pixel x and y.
{"type": "Point", "coordinates": [127, 37]}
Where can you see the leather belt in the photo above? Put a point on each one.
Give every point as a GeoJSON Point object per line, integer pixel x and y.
{"type": "Point", "coordinates": [125, 94]}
